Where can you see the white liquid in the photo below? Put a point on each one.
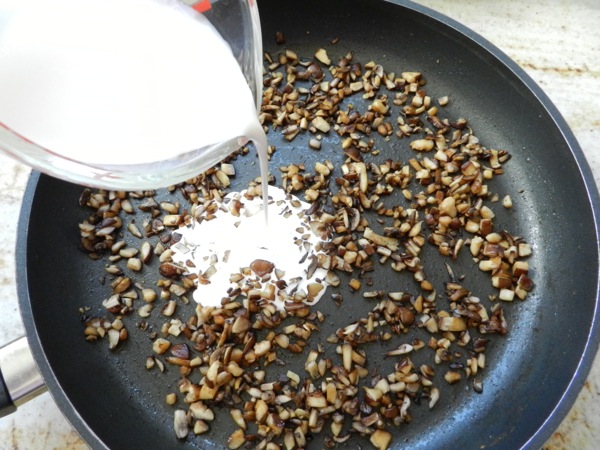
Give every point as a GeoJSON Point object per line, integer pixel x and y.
{"type": "Point", "coordinates": [139, 81]}
{"type": "Point", "coordinates": [119, 81]}
{"type": "Point", "coordinates": [229, 243]}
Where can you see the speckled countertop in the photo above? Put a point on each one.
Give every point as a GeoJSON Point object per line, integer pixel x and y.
{"type": "Point", "coordinates": [556, 41]}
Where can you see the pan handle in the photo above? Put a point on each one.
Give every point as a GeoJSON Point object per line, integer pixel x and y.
{"type": "Point", "coordinates": [20, 379]}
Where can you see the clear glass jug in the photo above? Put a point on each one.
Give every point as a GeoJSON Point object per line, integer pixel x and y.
{"type": "Point", "coordinates": [236, 21]}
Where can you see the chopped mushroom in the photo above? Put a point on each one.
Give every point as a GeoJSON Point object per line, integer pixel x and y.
{"type": "Point", "coordinates": [443, 200]}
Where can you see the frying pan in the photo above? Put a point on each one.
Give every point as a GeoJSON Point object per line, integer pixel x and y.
{"type": "Point", "coordinates": [534, 373]}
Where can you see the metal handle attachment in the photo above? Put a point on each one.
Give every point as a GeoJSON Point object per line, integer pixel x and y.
{"type": "Point", "coordinates": [20, 379]}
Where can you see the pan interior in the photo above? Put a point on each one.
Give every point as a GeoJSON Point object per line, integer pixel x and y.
{"type": "Point", "coordinates": [114, 402]}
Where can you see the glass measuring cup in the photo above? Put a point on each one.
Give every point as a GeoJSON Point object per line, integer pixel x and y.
{"type": "Point", "coordinates": [238, 24]}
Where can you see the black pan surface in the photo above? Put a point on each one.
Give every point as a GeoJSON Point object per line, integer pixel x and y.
{"type": "Point", "coordinates": [533, 374]}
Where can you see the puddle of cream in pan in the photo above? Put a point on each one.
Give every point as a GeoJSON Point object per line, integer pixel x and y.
{"type": "Point", "coordinates": [229, 242]}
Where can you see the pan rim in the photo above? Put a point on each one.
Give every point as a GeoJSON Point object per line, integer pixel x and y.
{"type": "Point", "coordinates": [593, 200]}
{"type": "Point", "coordinates": [44, 366]}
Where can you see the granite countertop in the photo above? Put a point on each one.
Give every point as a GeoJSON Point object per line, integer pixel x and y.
{"type": "Point", "coordinates": [557, 42]}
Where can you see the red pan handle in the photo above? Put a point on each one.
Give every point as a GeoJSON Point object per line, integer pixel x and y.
{"type": "Point", "coordinates": [20, 379]}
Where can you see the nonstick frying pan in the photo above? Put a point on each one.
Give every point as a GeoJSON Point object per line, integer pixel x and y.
{"type": "Point", "coordinates": [534, 373]}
